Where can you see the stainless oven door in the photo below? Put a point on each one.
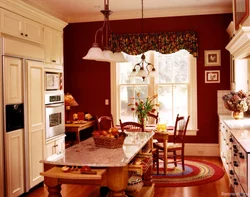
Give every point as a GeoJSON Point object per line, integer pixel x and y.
{"type": "Point", "coordinates": [54, 120]}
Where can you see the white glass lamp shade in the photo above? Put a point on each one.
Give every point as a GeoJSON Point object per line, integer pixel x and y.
{"type": "Point", "coordinates": [142, 73]}
{"type": "Point", "coordinates": [133, 73]}
{"type": "Point", "coordinates": [108, 55]}
{"type": "Point", "coordinates": [94, 53]}
{"type": "Point", "coordinates": [118, 57]}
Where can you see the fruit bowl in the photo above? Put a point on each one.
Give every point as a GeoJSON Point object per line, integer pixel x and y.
{"type": "Point", "coordinates": [109, 139]}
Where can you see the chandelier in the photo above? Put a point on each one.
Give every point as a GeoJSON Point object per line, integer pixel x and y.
{"type": "Point", "coordinates": [145, 69]}
{"type": "Point", "coordinates": [95, 52]}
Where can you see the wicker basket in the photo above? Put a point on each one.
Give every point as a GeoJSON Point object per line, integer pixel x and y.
{"type": "Point", "coordinates": [107, 142]}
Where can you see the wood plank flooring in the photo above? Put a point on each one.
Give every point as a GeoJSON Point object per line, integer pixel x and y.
{"type": "Point", "coordinates": [219, 188]}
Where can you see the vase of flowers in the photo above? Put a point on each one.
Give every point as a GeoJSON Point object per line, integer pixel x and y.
{"type": "Point", "coordinates": [142, 107]}
{"type": "Point", "coordinates": [236, 102]}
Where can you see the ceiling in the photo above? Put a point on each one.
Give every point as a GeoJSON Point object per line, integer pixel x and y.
{"type": "Point", "coordinates": [89, 10]}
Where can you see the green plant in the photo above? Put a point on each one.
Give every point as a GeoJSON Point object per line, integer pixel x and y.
{"type": "Point", "coordinates": [142, 107]}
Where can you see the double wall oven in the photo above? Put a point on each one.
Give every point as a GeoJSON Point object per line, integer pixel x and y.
{"type": "Point", "coordinates": [54, 113]}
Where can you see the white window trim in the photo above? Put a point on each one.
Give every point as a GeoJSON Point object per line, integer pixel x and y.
{"type": "Point", "coordinates": [192, 99]}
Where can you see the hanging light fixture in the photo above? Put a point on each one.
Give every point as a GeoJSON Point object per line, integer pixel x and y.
{"type": "Point", "coordinates": [95, 52]}
{"type": "Point", "coordinates": [144, 69]}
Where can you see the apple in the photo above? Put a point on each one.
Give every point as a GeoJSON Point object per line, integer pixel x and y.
{"type": "Point", "coordinates": [85, 169]}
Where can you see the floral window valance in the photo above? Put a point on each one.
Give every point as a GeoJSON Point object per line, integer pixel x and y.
{"type": "Point", "coordinates": [165, 43]}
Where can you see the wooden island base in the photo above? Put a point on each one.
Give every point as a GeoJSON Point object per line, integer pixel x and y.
{"type": "Point", "coordinates": [114, 178]}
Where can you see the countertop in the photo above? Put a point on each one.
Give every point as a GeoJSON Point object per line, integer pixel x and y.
{"type": "Point", "coordinates": [240, 129]}
{"type": "Point", "coordinates": [86, 153]}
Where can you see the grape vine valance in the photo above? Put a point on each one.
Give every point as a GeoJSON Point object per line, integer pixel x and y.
{"type": "Point", "coordinates": [165, 43]}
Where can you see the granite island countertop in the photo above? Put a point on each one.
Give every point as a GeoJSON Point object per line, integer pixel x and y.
{"type": "Point", "coordinates": [86, 152]}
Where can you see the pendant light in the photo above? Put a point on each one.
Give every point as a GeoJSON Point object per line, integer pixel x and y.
{"type": "Point", "coordinates": [146, 69]}
{"type": "Point", "coordinates": [95, 52]}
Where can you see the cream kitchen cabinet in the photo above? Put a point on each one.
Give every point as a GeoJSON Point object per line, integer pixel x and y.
{"type": "Point", "coordinates": [55, 146]}
{"type": "Point", "coordinates": [14, 163]}
{"type": "Point", "coordinates": [235, 150]}
{"type": "Point", "coordinates": [21, 27]}
{"type": "Point", "coordinates": [13, 88]}
{"type": "Point", "coordinates": [225, 146]}
{"type": "Point", "coordinates": [53, 44]}
{"type": "Point", "coordinates": [36, 119]}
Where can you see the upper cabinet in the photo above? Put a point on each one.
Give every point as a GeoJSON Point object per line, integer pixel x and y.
{"type": "Point", "coordinates": [21, 27]}
{"type": "Point", "coordinates": [53, 44]}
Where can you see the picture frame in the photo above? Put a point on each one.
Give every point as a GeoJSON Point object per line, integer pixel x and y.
{"type": "Point", "coordinates": [212, 76]}
{"type": "Point", "coordinates": [212, 57]}
{"type": "Point", "coordinates": [241, 12]}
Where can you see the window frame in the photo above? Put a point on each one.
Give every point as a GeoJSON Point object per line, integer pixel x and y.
{"type": "Point", "coordinates": [192, 92]}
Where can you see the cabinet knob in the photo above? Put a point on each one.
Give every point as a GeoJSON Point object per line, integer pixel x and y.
{"type": "Point", "coordinates": [26, 35]}
{"type": "Point", "coordinates": [236, 164]}
{"type": "Point", "coordinates": [21, 34]}
{"type": "Point", "coordinates": [53, 60]}
{"type": "Point", "coordinates": [241, 155]}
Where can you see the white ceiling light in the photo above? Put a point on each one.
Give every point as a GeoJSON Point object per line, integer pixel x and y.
{"type": "Point", "coordinates": [144, 67]}
{"type": "Point", "coordinates": [95, 52]}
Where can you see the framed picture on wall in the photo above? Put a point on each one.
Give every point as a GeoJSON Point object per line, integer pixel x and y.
{"type": "Point", "coordinates": [212, 76]}
{"type": "Point", "coordinates": [241, 12]}
{"type": "Point", "coordinates": [212, 58]}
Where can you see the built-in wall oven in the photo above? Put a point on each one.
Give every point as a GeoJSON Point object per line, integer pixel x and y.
{"type": "Point", "coordinates": [54, 111]}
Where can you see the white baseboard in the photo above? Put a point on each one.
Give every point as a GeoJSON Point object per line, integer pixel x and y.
{"type": "Point", "coordinates": [202, 149]}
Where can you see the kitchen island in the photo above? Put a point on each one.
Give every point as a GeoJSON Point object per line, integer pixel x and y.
{"type": "Point", "coordinates": [111, 165]}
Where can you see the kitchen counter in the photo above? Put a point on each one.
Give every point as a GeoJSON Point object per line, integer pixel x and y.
{"type": "Point", "coordinates": [236, 124]}
{"type": "Point", "coordinates": [240, 129]}
{"type": "Point", "coordinates": [86, 153]}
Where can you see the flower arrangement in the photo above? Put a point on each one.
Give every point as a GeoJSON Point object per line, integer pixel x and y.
{"type": "Point", "coordinates": [236, 101]}
{"type": "Point", "coordinates": [142, 108]}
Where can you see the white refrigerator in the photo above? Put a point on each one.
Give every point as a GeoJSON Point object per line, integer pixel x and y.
{"type": "Point", "coordinates": [23, 90]}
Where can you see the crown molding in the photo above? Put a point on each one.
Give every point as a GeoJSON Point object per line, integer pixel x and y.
{"type": "Point", "coordinates": [153, 14]}
{"type": "Point", "coordinates": [239, 45]}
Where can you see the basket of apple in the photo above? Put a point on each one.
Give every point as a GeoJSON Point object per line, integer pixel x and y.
{"type": "Point", "coordinates": [111, 138]}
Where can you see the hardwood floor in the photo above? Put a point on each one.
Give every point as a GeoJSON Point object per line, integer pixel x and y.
{"type": "Point", "coordinates": [219, 188]}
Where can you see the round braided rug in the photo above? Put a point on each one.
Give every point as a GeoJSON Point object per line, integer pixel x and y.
{"type": "Point", "coordinates": [196, 173]}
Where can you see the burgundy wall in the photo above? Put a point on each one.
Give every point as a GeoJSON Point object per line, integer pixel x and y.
{"type": "Point", "coordinates": [89, 81]}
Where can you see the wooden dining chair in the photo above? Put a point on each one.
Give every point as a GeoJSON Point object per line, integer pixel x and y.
{"type": "Point", "coordinates": [176, 149]}
{"type": "Point", "coordinates": [153, 118]}
{"type": "Point", "coordinates": [105, 122]}
{"type": "Point", "coordinates": [131, 126]}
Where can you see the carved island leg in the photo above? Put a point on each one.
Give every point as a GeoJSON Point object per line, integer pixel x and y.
{"type": "Point", "coordinates": [54, 188]}
{"type": "Point", "coordinates": [117, 181]}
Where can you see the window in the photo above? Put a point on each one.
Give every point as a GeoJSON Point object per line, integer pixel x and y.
{"type": "Point", "coordinates": [175, 85]}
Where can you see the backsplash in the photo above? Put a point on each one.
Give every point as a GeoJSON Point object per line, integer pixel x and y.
{"type": "Point", "coordinates": [221, 109]}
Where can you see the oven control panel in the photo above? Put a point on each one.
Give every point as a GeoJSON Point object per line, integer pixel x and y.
{"type": "Point", "coordinates": [54, 98]}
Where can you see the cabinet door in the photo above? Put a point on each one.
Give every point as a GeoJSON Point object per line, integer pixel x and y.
{"type": "Point", "coordinates": [53, 44]}
{"type": "Point", "coordinates": [50, 149]}
{"type": "Point", "coordinates": [48, 44]}
{"type": "Point", "coordinates": [58, 48]}
{"type": "Point", "coordinates": [60, 145]}
{"type": "Point", "coordinates": [36, 120]}
{"type": "Point", "coordinates": [18, 26]}
{"type": "Point", "coordinates": [13, 80]}
{"type": "Point", "coordinates": [14, 163]}
{"type": "Point", "coordinates": [11, 23]}
{"type": "Point", "coordinates": [33, 31]}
